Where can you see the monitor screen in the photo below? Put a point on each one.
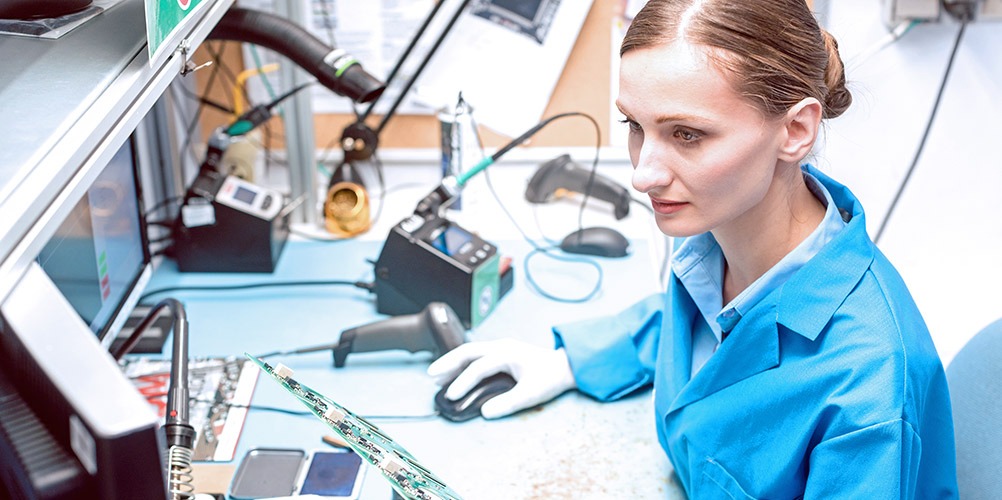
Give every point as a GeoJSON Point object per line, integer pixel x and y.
{"type": "Point", "coordinates": [526, 10]}
{"type": "Point", "coordinates": [101, 438]}
{"type": "Point", "coordinates": [99, 256]}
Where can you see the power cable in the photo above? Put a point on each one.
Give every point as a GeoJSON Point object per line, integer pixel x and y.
{"type": "Point", "coordinates": [925, 134]}
{"type": "Point", "coordinates": [536, 247]}
{"type": "Point", "coordinates": [249, 286]}
{"type": "Point", "coordinates": [894, 35]}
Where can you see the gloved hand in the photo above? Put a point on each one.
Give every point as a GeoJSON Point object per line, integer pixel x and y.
{"type": "Point", "coordinates": [542, 374]}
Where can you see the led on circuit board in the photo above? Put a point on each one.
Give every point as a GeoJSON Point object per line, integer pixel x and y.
{"type": "Point", "coordinates": [408, 477]}
{"type": "Point", "coordinates": [334, 415]}
{"type": "Point", "coordinates": [283, 372]}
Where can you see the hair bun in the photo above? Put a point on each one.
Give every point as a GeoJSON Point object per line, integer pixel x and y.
{"type": "Point", "coordinates": [838, 99]}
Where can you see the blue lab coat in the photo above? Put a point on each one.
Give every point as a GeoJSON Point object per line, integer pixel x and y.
{"type": "Point", "coordinates": [830, 387]}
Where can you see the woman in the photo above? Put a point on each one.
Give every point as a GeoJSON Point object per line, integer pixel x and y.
{"type": "Point", "coordinates": [787, 356]}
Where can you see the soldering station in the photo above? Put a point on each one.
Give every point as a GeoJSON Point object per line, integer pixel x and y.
{"type": "Point", "coordinates": [175, 243]}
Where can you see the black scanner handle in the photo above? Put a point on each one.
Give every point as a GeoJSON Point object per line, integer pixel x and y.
{"type": "Point", "coordinates": [437, 328]}
{"type": "Point", "coordinates": [562, 173]}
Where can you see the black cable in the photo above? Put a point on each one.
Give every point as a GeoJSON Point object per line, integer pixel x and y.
{"type": "Point", "coordinates": [536, 248]}
{"type": "Point", "coordinates": [304, 413]}
{"type": "Point", "coordinates": [187, 147]}
{"type": "Point", "coordinates": [420, 68]}
{"type": "Point", "coordinates": [163, 251]}
{"type": "Point", "coordinates": [248, 286]}
{"type": "Point", "coordinates": [524, 137]}
{"type": "Point", "coordinates": [179, 320]}
{"type": "Point", "coordinates": [278, 100]}
{"type": "Point", "coordinates": [381, 179]}
{"type": "Point", "coordinates": [218, 68]}
{"type": "Point", "coordinates": [925, 134]}
{"type": "Point", "coordinates": [328, 22]}
{"type": "Point", "coordinates": [176, 427]}
{"type": "Point", "coordinates": [275, 409]}
{"type": "Point", "coordinates": [593, 173]}
{"type": "Point", "coordinates": [403, 57]}
{"type": "Point", "coordinates": [228, 75]}
{"type": "Point", "coordinates": [161, 204]}
{"type": "Point", "coordinates": [206, 101]}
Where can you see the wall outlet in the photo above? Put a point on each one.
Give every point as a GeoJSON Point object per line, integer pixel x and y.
{"type": "Point", "coordinates": [991, 10]}
{"type": "Point", "coordinates": [896, 12]}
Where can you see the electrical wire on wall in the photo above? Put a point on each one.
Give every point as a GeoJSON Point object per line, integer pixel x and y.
{"type": "Point", "coordinates": [895, 34]}
{"type": "Point", "coordinates": [925, 134]}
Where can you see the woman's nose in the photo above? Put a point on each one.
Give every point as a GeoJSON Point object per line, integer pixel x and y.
{"type": "Point", "coordinates": [649, 170]}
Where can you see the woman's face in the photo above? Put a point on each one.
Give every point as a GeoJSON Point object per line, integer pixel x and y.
{"type": "Point", "coordinates": [704, 155]}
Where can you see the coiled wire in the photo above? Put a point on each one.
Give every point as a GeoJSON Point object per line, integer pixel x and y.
{"type": "Point", "coordinates": [179, 477]}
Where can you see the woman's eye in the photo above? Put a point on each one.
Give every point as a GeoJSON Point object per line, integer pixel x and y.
{"type": "Point", "coordinates": [687, 135]}
{"type": "Point", "coordinates": [634, 126]}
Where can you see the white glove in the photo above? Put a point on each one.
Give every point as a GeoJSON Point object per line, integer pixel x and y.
{"type": "Point", "coordinates": [541, 374]}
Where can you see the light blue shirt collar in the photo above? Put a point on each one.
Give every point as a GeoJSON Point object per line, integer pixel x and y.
{"type": "Point", "coordinates": [699, 265]}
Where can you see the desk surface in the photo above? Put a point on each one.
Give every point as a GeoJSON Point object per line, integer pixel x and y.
{"type": "Point", "coordinates": [573, 447]}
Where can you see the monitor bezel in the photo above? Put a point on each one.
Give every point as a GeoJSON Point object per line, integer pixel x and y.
{"type": "Point", "coordinates": [125, 307]}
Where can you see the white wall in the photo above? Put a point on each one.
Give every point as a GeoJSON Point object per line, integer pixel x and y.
{"type": "Point", "coordinates": [945, 235]}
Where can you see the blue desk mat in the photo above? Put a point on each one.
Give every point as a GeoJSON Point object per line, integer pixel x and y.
{"type": "Point", "coordinates": [614, 442]}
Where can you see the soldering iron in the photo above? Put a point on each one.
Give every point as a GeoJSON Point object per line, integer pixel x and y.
{"type": "Point", "coordinates": [428, 258]}
{"type": "Point", "coordinates": [438, 200]}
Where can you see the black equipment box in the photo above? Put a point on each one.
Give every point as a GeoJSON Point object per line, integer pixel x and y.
{"type": "Point", "coordinates": [230, 225]}
{"type": "Point", "coordinates": [435, 260]}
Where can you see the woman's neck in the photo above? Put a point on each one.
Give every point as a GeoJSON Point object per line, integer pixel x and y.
{"type": "Point", "coordinates": [761, 237]}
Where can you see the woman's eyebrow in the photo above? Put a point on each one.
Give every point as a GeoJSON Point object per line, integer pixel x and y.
{"type": "Point", "coordinates": [680, 117]}
{"type": "Point", "coordinates": [669, 118]}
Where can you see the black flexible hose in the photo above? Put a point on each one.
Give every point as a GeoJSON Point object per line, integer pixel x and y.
{"type": "Point", "coordinates": [179, 432]}
{"type": "Point", "coordinates": [333, 68]}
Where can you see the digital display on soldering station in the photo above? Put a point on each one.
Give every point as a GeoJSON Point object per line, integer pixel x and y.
{"type": "Point", "coordinates": [450, 240]}
{"type": "Point", "coordinates": [245, 195]}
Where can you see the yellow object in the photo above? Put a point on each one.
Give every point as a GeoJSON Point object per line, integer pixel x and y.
{"type": "Point", "coordinates": [346, 209]}
{"type": "Point", "coordinates": [242, 77]}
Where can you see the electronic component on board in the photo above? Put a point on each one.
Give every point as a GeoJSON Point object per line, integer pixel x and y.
{"type": "Point", "coordinates": [283, 372]}
{"type": "Point", "coordinates": [409, 478]}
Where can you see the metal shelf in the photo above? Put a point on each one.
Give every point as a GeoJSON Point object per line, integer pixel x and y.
{"type": "Point", "coordinates": [67, 105]}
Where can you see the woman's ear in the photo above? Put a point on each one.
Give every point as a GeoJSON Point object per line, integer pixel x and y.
{"type": "Point", "coordinates": [801, 124]}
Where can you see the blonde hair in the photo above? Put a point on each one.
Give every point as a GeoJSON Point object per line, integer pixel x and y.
{"type": "Point", "coordinates": [775, 49]}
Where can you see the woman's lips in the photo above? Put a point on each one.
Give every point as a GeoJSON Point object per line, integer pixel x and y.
{"type": "Point", "coordinates": [667, 207]}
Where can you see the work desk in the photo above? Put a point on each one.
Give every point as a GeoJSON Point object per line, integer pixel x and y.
{"type": "Point", "coordinates": [573, 447]}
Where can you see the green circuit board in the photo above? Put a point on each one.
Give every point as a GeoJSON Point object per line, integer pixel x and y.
{"type": "Point", "coordinates": [408, 477]}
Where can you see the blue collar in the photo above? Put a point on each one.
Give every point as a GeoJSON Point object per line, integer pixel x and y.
{"type": "Point", "coordinates": [809, 298]}
{"type": "Point", "coordinates": [699, 265]}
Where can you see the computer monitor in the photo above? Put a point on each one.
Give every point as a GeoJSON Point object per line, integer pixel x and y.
{"type": "Point", "coordinates": [532, 18]}
{"type": "Point", "coordinates": [99, 257]}
{"type": "Point", "coordinates": [71, 424]}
